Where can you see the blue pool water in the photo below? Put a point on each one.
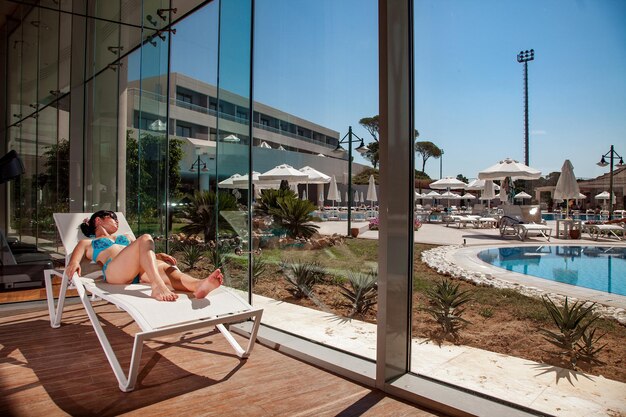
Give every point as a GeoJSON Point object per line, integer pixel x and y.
{"type": "Point", "coordinates": [595, 267]}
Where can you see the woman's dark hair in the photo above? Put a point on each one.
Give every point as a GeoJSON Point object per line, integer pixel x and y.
{"type": "Point", "coordinates": [88, 227]}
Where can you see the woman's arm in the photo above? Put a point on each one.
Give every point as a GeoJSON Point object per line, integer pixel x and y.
{"type": "Point", "coordinates": [74, 264]}
{"type": "Point", "coordinates": [166, 258]}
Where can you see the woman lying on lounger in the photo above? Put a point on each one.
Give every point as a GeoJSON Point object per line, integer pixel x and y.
{"type": "Point", "coordinates": [126, 261]}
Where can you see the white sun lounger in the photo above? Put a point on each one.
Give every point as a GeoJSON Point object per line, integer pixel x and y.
{"type": "Point", "coordinates": [597, 230]}
{"type": "Point", "coordinates": [523, 229]}
{"type": "Point", "coordinates": [155, 318]}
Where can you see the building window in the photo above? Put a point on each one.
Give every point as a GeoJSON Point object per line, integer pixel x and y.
{"type": "Point", "coordinates": [184, 131]}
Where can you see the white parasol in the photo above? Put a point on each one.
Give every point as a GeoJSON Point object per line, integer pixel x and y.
{"type": "Point", "coordinates": [284, 172]}
{"type": "Point", "coordinates": [567, 187]}
{"type": "Point", "coordinates": [509, 168]}
{"type": "Point", "coordinates": [522, 196]}
{"type": "Point", "coordinates": [448, 183]}
{"type": "Point", "coordinates": [232, 139]}
{"type": "Point", "coordinates": [228, 182]}
{"type": "Point", "coordinates": [371, 190]}
{"type": "Point", "coordinates": [333, 191]}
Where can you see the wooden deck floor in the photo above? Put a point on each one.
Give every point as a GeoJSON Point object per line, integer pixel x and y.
{"type": "Point", "coordinates": [45, 371]}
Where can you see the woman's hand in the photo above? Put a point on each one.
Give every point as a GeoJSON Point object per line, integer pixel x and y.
{"type": "Point", "coordinates": [166, 258]}
{"type": "Point", "coordinates": [71, 268]}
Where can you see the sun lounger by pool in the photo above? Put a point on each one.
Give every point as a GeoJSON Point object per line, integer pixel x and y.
{"type": "Point", "coordinates": [510, 226]}
{"type": "Point", "coordinates": [154, 318]}
{"type": "Point", "coordinates": [597, 230]}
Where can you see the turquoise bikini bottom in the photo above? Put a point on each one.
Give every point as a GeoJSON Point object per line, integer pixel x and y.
{"type": "Point", "coordinates": [104, 275]}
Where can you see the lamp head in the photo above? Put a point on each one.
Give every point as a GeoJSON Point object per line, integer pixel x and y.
{"type": "Point", "coordinates": [362, 149]}
{"type": "Point", "coordinates": [621, 163]}
{"type": "Point", "coordinates": [602, 162]}
{"type": "Point", "coordinates": [339, 149]}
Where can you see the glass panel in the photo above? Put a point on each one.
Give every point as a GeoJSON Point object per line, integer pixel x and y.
{"type": "Point", "coordinates": [50, 197]}
{"type": "Point", "coordinates": [101, 151]}
{"type": "Point", "coordinates": [147, 204]}
{"type": "Point", "coordinates": [14, 74]}
{"type": "Point", "coordinates": [30, 52]}
{"type": "Point", "coordinates": [106, 35]}
{"type": "Point", "coordinates": [469, 92]}
{"type": "Point", "coordinates": [233, 137]}
{"type": "Point", "coordinates": [311, 85]}
{"type": "Point", "coordinates": [48, 26]}
{"type": "Point", "coordinates": [65, 41]}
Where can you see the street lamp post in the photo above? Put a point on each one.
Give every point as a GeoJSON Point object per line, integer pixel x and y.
{"type": "Point", "coordinates": [524, 57]}
{"type": "Point", "coordinates": [611, 155]}
{"type": "Point", "coordinates": [348, 139]}
{"type": "Point", "coordinates": [198, 166]}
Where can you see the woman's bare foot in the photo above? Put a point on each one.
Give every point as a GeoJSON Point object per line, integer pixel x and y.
{"type": "Point", "coordinates": [163, 293]}
{"type": "Point", "coordinates": [209, 284]}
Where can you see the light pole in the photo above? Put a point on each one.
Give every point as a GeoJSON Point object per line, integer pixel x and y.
{"type": "Point", "coordinates": [441, 165]}
{"type": "Point", "coordinates": [348, 138]}
{"type": "Point", "coordinates": [524, 57]}
{"type": "Point", "coordinates": [198, 166]}
{"type": "Point", "coordinates": [611, 154]}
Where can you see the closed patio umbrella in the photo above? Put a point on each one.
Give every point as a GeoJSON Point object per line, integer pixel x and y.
{"type": "Point", "coordinates": [567, 187]}
{"type": "Point", "coordinates": [371, 190]}
{"type": "Point", "coordinates": [333, 191]}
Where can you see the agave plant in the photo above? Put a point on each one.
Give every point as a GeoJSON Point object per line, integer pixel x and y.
{"type": "Point", "coordinates": [295, 216]}
{"type": "Point", "coordinates": [202, 212]}
{"type": "Point", "coordinates": [587, 346]}
{"type": "Point", "coordinates": [572, 321]}
{"type": "Point", "coordinates": [446, 303]}
{"type": "Point", "coordinates": [190, 254]}
{"type": "Point", "coordinates": [259, 267]}
{"type": "Point", "coordinates": [302, 277]}
{"type": "Point", "coordinates": [362, 292]}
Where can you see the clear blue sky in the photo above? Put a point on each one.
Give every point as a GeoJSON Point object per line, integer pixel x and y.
{"type": "Point", "coordinates": [319, 60]}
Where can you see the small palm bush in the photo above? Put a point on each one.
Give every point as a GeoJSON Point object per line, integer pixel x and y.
{"type": "Point", "coordinates": [575, 335]}
{"type": "Point", "coordinates": [202, 213]}
{"type": "Point", "coordinates": [302, 277]}
{"type": "Point", "coordinates": [294, 215]}
{"type": "Point", "coordinates": [269, 200]}
{"type": "Point", "coordinates": [362, 291]}
{"type": "Point", "coordinates": [190, 254]}
{"type": "Point", "coordinates": [446, 306]}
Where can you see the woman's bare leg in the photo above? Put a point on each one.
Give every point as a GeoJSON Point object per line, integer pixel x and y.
{"type": "Point", "coordinates": [178, 280]}
{"type": "Point", "coordinates": [138, 258]}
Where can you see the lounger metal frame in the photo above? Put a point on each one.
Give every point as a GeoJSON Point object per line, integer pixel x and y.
{"type": "Point", "coordinates": [86, 286]}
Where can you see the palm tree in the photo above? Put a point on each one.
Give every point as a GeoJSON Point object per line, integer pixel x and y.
{"type": "Point", "coordinates": [201, 212]}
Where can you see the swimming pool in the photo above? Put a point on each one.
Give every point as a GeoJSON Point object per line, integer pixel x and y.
{"type": "Point", "coordinates": [596, 267]}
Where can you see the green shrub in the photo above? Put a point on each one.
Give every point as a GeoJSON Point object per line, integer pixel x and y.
{"type": "Point", "coordinates": [190, 254]}
{"type": "Point", "coordinates": [294, 215]}
{"type": "Point", "coordinates": [486, 312]}
{"type": "Point", "coordinates": [302, 277]}
{"type": "Point", "coordinates": [269, 200]}
{"type": "Point", "coordinates": [259, 267]}
{"type": "Point", "coordinates": [362, 291]}
{"type": "Point", "coordinates": [202, 211]}
{"type": "Point", "coordinates": [572, 322]}
{"type": "Point", "coordinates": [446, 303]}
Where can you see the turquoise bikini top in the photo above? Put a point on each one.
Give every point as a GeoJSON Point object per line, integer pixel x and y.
{"type": "Point", "coordinates": [103, 243]}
